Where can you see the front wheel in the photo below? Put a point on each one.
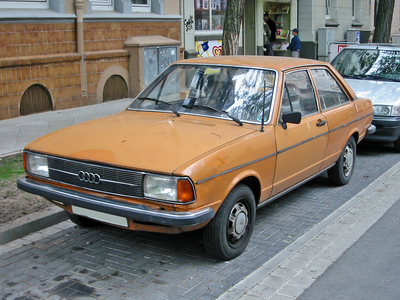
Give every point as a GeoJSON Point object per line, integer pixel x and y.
{"type": "Point", "coordinates": [342, 171]}
{"type": "Point", "coordinates": [229, 232]}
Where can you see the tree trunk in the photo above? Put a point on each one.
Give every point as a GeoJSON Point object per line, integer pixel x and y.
{"type": "Point", "coordinates": [384, 19]}
{"type": "Point", "coordinates": [232, 23]}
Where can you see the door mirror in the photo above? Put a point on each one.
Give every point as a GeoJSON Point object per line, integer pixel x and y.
{"type": "Point", "coordinates": [293, 117]}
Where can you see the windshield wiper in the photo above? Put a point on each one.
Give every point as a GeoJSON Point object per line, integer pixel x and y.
{"type": "Point", "coordinates": [163, 102]}
{"type": "Point", "coordinates": [220, 111]}
{"type": "Point", "coordinates": [382, 78]}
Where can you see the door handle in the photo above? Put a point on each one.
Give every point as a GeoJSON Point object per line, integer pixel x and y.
{"type": "Point", "coordinates": [321, 123]}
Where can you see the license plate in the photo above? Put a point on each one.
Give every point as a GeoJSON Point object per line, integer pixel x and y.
{"type": "Point", "coordinates": [100, 216]}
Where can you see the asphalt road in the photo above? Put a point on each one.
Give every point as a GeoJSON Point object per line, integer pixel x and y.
{"type": "Point", "coordinates": [110, 263]}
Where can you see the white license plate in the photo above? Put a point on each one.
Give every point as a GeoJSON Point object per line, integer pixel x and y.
{"type": "Point", "coordinates": [100, 216]}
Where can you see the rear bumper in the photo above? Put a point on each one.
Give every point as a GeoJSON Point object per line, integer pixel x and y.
{"type": "Point", "coordinates": [387, 129]}
{"type": "Point", "coordinates": [135, 212]}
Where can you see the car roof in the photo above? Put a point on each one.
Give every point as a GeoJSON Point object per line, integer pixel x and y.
{"type": "Point", "coordinates": [374, 46]}
{"type": "Point", "coordinates": [278, 63]}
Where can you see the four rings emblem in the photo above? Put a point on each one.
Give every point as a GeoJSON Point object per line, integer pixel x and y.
{"type": "Point", "coordinates": [89, 177]}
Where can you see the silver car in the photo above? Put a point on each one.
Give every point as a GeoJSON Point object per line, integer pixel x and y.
{"type": "Point", "coordinates": [373, 72]}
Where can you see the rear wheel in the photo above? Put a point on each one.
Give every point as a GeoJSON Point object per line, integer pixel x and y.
{"type": "Point", "coordinates": [82, 221]}
{"type": "Point", "coordinates": [342, 171]}
{"type": "Point", "coordinates": [229, 232]}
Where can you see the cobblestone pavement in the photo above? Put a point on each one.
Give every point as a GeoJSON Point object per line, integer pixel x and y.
{"type": "Point", "coordinates": [70, 262]}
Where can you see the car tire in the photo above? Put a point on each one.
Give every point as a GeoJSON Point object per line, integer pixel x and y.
{"type": "Point", "coordinates": [227, 235]}
{"type": "Point", "coordinates": [341, 172]}
{"type": "Point", "coordinates": [82, 221]}
{"type": "Point", "coordinates": [397, 145]}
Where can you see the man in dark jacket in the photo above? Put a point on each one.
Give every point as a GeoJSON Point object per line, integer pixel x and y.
{"type": "Point", "coordinates": [272, 26]}
{"type": "Point", "coordinates": [294, 45]}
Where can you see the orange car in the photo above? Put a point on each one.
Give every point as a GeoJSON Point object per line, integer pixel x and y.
{"type": "Point", "coordinates": [204, 145]}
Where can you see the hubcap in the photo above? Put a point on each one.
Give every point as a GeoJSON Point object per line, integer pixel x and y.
{"type": "Point", "coordinates": [238, 220]}
{"type": "Point", "coordinates": [348, 160]}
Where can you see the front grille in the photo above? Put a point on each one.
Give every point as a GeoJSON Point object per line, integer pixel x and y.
{"type": "Point", "coordinates": [96, 177]}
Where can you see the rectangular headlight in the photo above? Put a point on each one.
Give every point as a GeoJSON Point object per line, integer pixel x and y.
{"type": "Point", "coordinates": [36, 164]}
{"type": "Point", "coordinates": [168, 188]}
{"type": "Point", "coordinates": [382, 110]}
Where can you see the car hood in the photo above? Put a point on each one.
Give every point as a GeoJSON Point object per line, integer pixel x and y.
{"type": "Point", "coordinates": [380, 92]}
{"type": "Point", "coordinates": [154, 142]}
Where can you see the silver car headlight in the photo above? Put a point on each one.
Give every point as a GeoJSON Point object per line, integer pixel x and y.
{"type": "Point", "coordinates": [387, 110]}
{"type": "Point", "coordinates": [36, 164]}
{"type": "Point", "coordinates": [169, 188]}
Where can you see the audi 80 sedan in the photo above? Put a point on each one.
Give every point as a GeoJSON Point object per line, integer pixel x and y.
{"type": "Point", "coordinates": [373, 71]}
{"type": "Point", "coordinates": [204, 145]}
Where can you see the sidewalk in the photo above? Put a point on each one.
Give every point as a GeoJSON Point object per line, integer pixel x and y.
{"type": "Point", "coordinates": [321, 256]}
{"type": "Point", "coordinates": [368, 222]}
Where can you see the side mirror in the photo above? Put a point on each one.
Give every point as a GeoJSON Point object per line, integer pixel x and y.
{"type": "Point", "coordinates": [293, 117]}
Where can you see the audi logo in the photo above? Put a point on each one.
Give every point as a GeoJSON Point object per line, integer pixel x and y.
{"type": "Point", "coordinates": [89, 177]}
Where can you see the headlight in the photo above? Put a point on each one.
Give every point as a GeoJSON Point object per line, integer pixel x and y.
{"type": "Point", "coordinates": [168, 188]}
{"type": "Point", "coordinates": [387, 110]}
{"type": "Point", "coordinates": [36, 164]}
{"type": "Point", "coordinates": [382, 110]}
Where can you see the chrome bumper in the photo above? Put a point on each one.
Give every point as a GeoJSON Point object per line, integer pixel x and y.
{"type": "Point", "coordinates": [371, 129]}
{"type": "Point", "coordinates": [136, 212]}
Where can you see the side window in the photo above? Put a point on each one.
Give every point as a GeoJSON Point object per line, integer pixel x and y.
{"type": "Point", "coordinates": [299, 94]}
{"type": "Point", "coordinates": [329, 91]}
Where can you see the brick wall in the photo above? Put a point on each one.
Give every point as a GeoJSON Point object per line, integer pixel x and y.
{"type": "Point", "coordinates": [46, 54]}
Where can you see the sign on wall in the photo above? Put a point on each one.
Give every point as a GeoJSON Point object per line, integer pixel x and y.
{"type": "Point", "coordinates": [209, 48]}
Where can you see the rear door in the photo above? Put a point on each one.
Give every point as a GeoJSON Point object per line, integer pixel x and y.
{"type": "Point", "coordinates": [300, 147]}
{"type": "Point", "coordinates": [338, 110]}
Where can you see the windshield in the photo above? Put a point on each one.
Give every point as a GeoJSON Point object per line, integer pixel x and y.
{"type": "Point", "coordinates": [369, 64]}
{"type": "Point", "coordinates": [237, 94]}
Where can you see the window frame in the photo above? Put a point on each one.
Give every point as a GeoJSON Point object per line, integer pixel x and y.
{"type": "Point", "coordinates": [322, 104]}
{"type": "Point", "coordinates": [27, 4]}
{"type": "Point", "coordinates": [286, 90]}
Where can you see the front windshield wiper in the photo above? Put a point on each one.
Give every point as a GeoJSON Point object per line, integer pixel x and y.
{"type": "Point", "coordinates": [163, 102]}
{"type": "Point", "coordinates": [355, 76]}
{"type": "Point", "coordinates": [382, 78]}
{"type": "Point", "coordinates": [220, 111]}
{"type": "Point", "coordinates": [370, 77]}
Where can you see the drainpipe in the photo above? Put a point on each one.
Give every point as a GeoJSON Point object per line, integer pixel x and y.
{"type": "Point", "coordinates": [80, 43]}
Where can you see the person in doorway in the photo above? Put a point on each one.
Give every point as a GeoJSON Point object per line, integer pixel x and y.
{"type": "Point", "coordinates": [272, 27]}
{"type": "Point", "coordinates": [294, 45]}
{"type": "Point", "coordinates": [267, 35]}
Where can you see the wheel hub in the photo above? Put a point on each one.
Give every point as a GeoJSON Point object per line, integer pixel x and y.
{"type": "Point", "coordinates": [238, 221]}
{"type": "Point", "coordinates": [348, 159]}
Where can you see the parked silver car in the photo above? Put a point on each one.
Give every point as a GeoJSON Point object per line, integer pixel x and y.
{"type": "Point", "coordinates": [373, 72]}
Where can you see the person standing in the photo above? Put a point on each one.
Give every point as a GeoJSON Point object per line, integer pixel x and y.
{"type": "Point", "coordinates": [267, 35]}
{"type": "Point", "coordinates": [272, 26]}
{"type": "Point", "coordinates": [294, 45]}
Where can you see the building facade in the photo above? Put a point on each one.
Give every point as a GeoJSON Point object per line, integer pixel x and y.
{"type": "Point", "coordinates": [319, 22]}
{"type": "Point", "coordinates": [58, 54]}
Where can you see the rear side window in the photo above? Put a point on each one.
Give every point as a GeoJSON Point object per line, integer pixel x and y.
{"type": "Point", "coordinates": [299, 94]}
{"type": "Point", "coordinates": [329, 91]}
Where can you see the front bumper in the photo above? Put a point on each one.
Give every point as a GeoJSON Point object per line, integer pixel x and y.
{"type": "Point", "coordinates": [135, 212]}
{"type": "Point", "coordinates": [387, 129]}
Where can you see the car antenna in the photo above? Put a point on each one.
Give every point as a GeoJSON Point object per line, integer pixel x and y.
{"type": "Point", "coordinates": [263, 111]}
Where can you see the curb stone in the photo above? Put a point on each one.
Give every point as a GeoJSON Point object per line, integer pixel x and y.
{"type": "Point", "coordinates": [31, 223]}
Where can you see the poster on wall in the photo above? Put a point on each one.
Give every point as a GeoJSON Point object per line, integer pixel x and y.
{"type": "Point", "coordinates": [209, 48]}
